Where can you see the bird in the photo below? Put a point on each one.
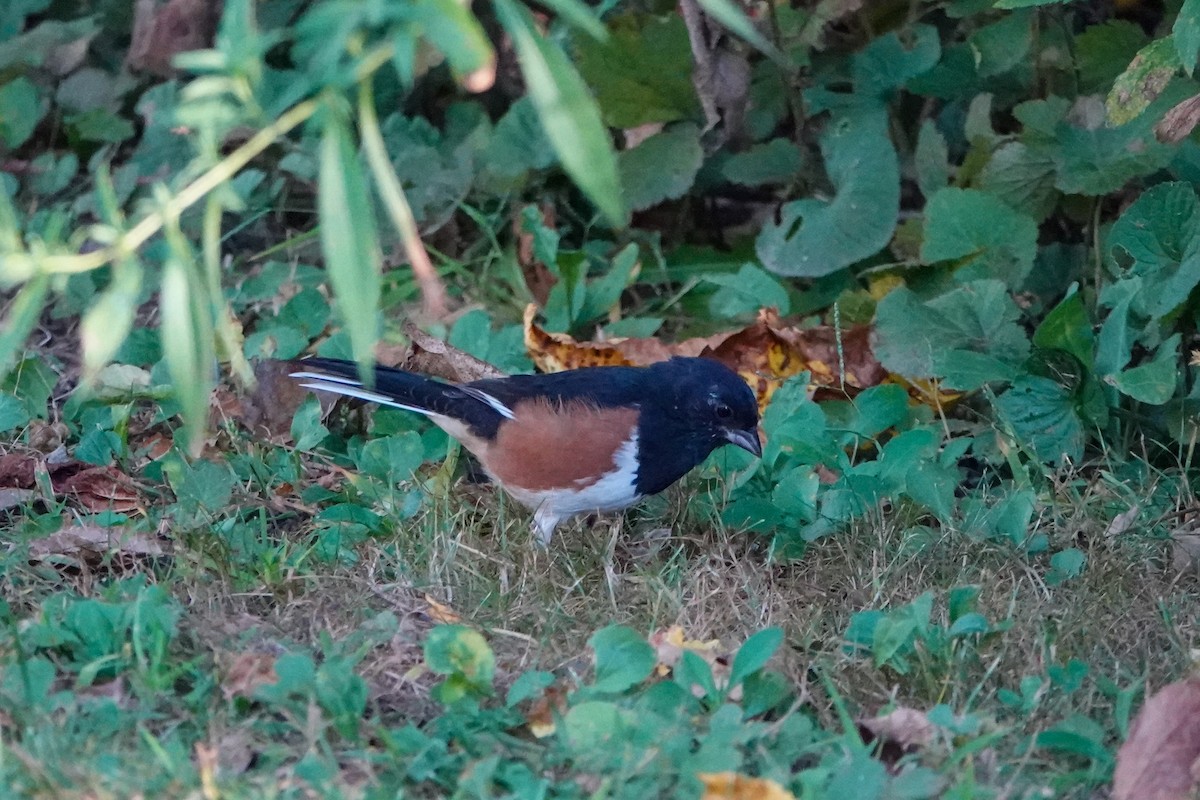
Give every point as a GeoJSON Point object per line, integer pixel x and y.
{"type": "Point", "coordinates": [593, 439]}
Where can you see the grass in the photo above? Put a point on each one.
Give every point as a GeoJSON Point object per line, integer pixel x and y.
{"type": "Point", "coordinates": [165, 711]}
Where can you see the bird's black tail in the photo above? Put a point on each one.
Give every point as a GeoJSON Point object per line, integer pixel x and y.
{"type": "Point", "coordinates": [393, 387]}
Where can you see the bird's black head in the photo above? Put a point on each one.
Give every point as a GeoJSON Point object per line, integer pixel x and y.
{"type": "Point", "coordinates": [711, 399]}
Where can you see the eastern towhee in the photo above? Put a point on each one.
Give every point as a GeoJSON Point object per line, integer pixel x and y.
{"type": "Point", "coordinates": [566, 443]}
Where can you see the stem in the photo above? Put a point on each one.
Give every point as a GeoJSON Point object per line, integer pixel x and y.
{"type": "Point", "coordinates": [392, 193]}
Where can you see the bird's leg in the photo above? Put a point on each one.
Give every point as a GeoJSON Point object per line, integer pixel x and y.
{"type": "Point", "coordinates": [544, 523]}
{"type": "Point", "coordinates": [610, 573]}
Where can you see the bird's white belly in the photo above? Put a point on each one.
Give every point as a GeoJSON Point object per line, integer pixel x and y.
{"type": "Point", "coordinates": [612, 491]}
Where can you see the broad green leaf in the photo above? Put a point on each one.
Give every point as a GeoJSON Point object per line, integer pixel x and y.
{"type": "Point", "coordinates": [754, 654]}
{"type": "Point", "coordinates": [392, 458]}
{"type": "Point", "coordinates": [623, 658]}
{"type": "Point", "coordinates": [1043, 417]}
{"type": "Point", "coordinates": [1153, 382]}
{"type": "Point", "coordinates": [349, 239]}
{"type": "Point", "coordinates": [31, 381]}
{"type": "Point", "coordinates": [1114, 343]}
{"type": "Point", "coordinates": [1068, 328]}
{"type": "Point", "coordinates": [643, 73]}
{"type": "Point", "coordinates": [932, 159]}
{"type": "Point", "coordinates": [23, 314]}
{"type": "Point", "coordinates": [456, 650]}
{"type": "Point", "coordinates": [605, 292]}
{"type": "Point", "coordinates": [568, 113]}
{"type": "Point", "coordinates": [13, 413]}
{"type": "Point", "coordinates": [1010, 4]}
{"type": "Point", "coordinates": [1004, 44]}
{"type": "Point", "coordinates": [307, 430]}
{"type": "Point", "coordinates": [203, 483]}
{"type": "Point", "coordinates": [1066, 564]}
{"type": "Point", "coordinates": [1142, 81]}
{"type": "Point", "coordinates": [1100, 160]}
{"type": "Point", "coordinates": [187, 344]}
{"type": "Point", "coordinates": [661, 168]}
{"type": "Point", "coordinates": [967, 337]}
{"type": "Point", "coordinates": [1023, 177]}
{"type": "Point", "coordinates": [21, 109]}
{"type": "Point", "coordinates": [1103, 51]}
{"type": "Point", "coordinates": [891, 60]}
{"type": "Point", "coordinates": [106, 324]}
{"type": "Point", "coordinates": [1186, 34]}
{"type": "Point", "coordinates": [746, 292]}
{"type": "Point", "coordinates": [1157, 239]}
{"type": "Point", "coordinates": [990, 239]}
{"type": "Point", "coordinates": [819, 237]}
{"type": "Point", "coordinates": [776, 161]}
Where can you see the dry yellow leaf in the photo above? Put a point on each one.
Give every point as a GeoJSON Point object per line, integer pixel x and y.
{"type": "Point", "coordinates": [732, 786]}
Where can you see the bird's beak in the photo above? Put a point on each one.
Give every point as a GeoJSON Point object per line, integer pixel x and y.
{"type": "Point", "coordinates": [747, 440]}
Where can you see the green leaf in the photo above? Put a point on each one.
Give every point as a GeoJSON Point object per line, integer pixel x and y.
{"type": "Point", "coordinates": [1186, 33]}
{"type": "Point", "coordinates": [1155, 381]}
{"type": "Point", "coordinates": [569, 115]}
{"type": "Point", "coordinates": [967, 337]}
{"type": "Point", "coordinates": [203, 483]}
{"type": "Point", "coordinates": [1002, 45]}
{"type": "Point", "coordinates": [1157, 239]}
{"type": "Point", "coordinates": [307, 430]}
{"type": "Point", "coordinates": [1043, 416]}
{"type": "Point", "coordinates": [623, 658]}
{"type": "Point", "coordinates": [643, 73]}
{"type": "Point", "coordinates": [990, 239]}
{"type": "Point", "coordinates": [1103, 51]}
{"type": "Point", "coordinates": [776, 161]}
{"type": "Point", "coordinates": [746, 292]}
{"type": "Point", "coordinates": [932, 159]}
{"type": "Point", "coordinates": [1066, 564]}
{"type": "Point", "coordinates": [21, 110]}
{"type": "Point", "coordinates": [13, 413]}
{"type": "Point", "coordinates": [1023, 177]}
{"type": "Point", "coordinates": [459, 651]}
{"type": "Point", "coordinates": [1100, 160]}
{"type": "Point", "coordinates": [1068, 328]}
{"type": "Point", "coordinates": [455, 31]}
{"type": "Point", "coordinates": [23, 314]}
{"type": "Point", "coordinates": [819, 237]}
{"type": "Point", "coordinates": [754, 654]}
{"type": "Point", "coordinates": [580, 15]}
{"type": "Point", "coordinates": [661, 168]}
{"type": "Point", "coordinates": [349, 239]}
{"type": "Point", "coordinates": [731, 16]}
{"type": "Point", "coordinates": [105, 325]}
{"type": "Point", "coordinates": [891, 60]}
{"type": "Point", "coordinates": [186, 330]}
{"type": "Point", "coordinates": [392, 458]}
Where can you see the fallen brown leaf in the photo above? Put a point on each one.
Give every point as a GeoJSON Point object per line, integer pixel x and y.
{"type": "Point", "coordinates": [1161, 758]}
{"type": "Point", "coordinates": [1178, 123]}
{"type": "Point", "coordinates": [669, 646]}
{"type": "Point", "coordinates": [162, 31]}
{"type": "Point", "coordinates": [92, 543]}
{"type": "Point", "coordinates": [101, 489]}
{"type": "Point", "coordinates": [901, 730]}
{"type": "Point", "coordinates": [247, 672]}
{"type": "Point", "coordinates": [440, 612]}
{"type": "Point", "coordinates": [431, 356]}
{"type": "Point", "coordinates": [732, 786]}
{"type": "Point", "coordinates": [765, 353]}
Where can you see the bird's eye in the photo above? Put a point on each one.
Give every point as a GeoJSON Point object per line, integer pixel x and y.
{"type": "Point", "coordinates": [724, 411]}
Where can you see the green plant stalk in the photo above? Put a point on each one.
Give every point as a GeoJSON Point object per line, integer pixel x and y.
{"type": "Point", "coordinates": [223, 171]}
{"type": "Point", "coordinates": [228, 332]}
{"type": "Point", "coordinates": [392, 193]}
